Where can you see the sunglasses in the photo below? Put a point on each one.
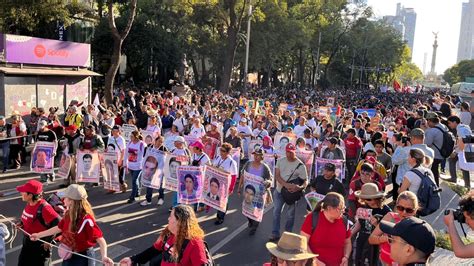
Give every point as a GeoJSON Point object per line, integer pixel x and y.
{"type": "Point", "coordinates": [403, 209]}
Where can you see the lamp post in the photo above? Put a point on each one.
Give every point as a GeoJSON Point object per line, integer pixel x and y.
{"type": "Point", "coordinates": [247, 46]}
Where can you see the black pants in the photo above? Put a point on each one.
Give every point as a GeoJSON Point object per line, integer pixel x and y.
{"type": "Point", "coordinates": [435, 169]}
{"type": "Point", "coordinates": [15, 154]}
{"type": "Point", "coordinates": [33, 254]}
{"type": "Point", "coordinates": [394, 183]}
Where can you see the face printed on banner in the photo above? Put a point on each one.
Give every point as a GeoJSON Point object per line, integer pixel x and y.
{"type": "Point", "coordinates": [132, 155]}
{"type": "Point", "coordinates": [284, 141]}
{"type": "Point", "coordinates": [41, 159]}
{"type": "Point", "coordinates": [109, 166]}
{"type": "Point", "coordinates": [87, 162]}
{"type": "Point", "coordinates": [189, 184]}
{"type": "Point", "coordinates": [149, 167]}
{"type": "Point", "coordinates": [214, 189]}
{"type": "Point", "coordinates": [173, 167]}
{"type": "Point", "coordinates": [249, 194]}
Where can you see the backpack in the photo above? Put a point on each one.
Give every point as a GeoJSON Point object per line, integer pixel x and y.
{"type": "Point", "coordinates": [448, 143]}
{"type": "Point", "coordinates": [315, 219]}
{"type": "Point", "coordinates": [428, 194]}
{"type": "Point", "coordinates": [57, 205]}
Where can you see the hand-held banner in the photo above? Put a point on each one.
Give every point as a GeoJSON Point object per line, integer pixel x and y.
{"type": "Point", "coordinates": [42, 159]}
{"type": "Point", "coordinates": [127, 130]}
{"type": "Point", "coordinates": [110, 171]}
{"type": "Point", "coordinates": [216, 188]}
{"type": "Point", "coordinates": [307, 157]}
{"type": "Point", "coordinates": [255, 195]}
{"type": "Point", "coordinates": [64, 166]}
{"type": "Point", "coordinates": [210, 147]}
{"type": "Point", "coordinates": [320, 163]}
{"type": "Point", "coordinates": [281, 140]}
{"type": "Point", "coordinates": [152, 168]}
{"type": "Point", "coordinates": [170, 170]}
{"type": "Point", "coordinates": [88, 166]}
{"type": "Point", "coordinates": [312, 198]}
{"type": "Point", "coordinates": [235, 154]}
{"type": "Point", "coordinates": [190, 184]}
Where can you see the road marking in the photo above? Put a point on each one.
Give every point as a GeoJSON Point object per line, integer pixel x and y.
{"type": "Point", "coordinates": [112, 252]}
{"type": "Point", "coordinates": [231, 236]}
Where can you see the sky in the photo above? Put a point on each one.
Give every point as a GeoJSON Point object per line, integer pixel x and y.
{"type": "Point", "coordinates": [443, 16]}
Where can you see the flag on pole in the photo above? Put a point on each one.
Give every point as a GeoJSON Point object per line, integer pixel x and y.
{"type": "Point", "coordinates": [396, 86]}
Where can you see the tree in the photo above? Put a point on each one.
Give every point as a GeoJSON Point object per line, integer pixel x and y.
{"type": "Point", "coordinates": [459, 72]}
{"type": "Point", "coordinates": [117, 46]}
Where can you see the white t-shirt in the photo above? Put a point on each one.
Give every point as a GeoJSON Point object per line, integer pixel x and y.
{"type": "Point", "coordinates": [228, 164]}
{"type": "Point", "coordinates": [299, 130]}
{"type": "Point", "coordinates": [118, 143]}
{"type": "Point", "coordinates": [202, 158]}
{"type": "Point", "coordinates": [260, 134]}
{"type": "Point", "coordinates": [198, 132]}
{"type": "Point", "coordinates": [180, 123]}
{"type": "Point", "coordinates": [414, 179]}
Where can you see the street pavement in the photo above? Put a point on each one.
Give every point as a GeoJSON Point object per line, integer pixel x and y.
{"type": "Point", "coordinates": [131, 228]}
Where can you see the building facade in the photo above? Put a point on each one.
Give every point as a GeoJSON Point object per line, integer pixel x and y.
{"type": "Point", "coordinates": [404, 22]}
{"type": "Point", "coordinates": [466, 34]}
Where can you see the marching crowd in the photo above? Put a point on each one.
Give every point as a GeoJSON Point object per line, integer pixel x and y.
{"type": "Point", "coordinates": [402, 139]}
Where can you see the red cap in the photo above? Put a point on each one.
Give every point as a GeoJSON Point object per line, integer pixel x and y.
{"type": "Point", "coordinates": [71, 128]}
{"type": "Point", "coordinates": [197, 144]}
{"type": "Point", "coordinates": [33, 186]}
{"type": "Point", "coordinates": [371, 159]}
{"type": "Point", "coordinates": [290, 147]}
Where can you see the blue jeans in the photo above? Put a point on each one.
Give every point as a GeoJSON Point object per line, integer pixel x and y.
{"type": "Point", "coordinates": [6, 154]}
{"type": "Point", "coordinates": [278, 204]}
{"type": "Point", "coordinates": [149, 192]}
{"type": "Point", "coordinates": [77, 260]}
{"type": "Point", "coordinates": [135, 183]}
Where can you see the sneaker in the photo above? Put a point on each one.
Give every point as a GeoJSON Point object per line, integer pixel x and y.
{"type": "Point", "coordinates": [145, 203]}
{"type": "Point", "coordinates": [52, 178]}
{"type": "Point", "coordinates": [130, 200]}
{"type": "Point", "coordinates": [273, 238]}
{"type": "Point", "coordinates": [252, 231]}
{"type": "Point", "coordinates": [219, 221]}
{"type": "Point", "coordinates": [160, 202]}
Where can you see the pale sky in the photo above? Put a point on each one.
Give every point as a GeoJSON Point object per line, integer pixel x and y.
{"type": "Point", "coordinates": [443, 16]}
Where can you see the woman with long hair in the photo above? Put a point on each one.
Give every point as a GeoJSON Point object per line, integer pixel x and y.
{"type": "Point", "coordinates": [180, 243]}
{"type": "Point", "coordinates": [80, 232]}
{"type": "Point", "coordinates": [331, 236]}
{"type": "Point", "coordinates": [133, 161]}
{"type": "Point", "coordinates": [411, 180]}
{"type": "Point", "coordinates": [406, 206]}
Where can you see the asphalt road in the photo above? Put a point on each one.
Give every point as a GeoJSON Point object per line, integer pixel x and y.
{"type": "Point", "coordinates": [131, 228]}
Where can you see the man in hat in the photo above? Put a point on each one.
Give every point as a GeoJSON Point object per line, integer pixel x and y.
{"type": "Point", "coordinates": [73, 117]}
{"type": "Point", "coordinates": [180, 122]}
{"type": "Point", "coordinates": [287, 169]}
{"type": "Point", "coordinates": [73, 137]}
{"type": "Point", "coordinates": [4, 144]}
{"type": "Point", "coordinates": [37, 216]}
{"type": "Point", "coordinates": [245, 133]}
{"type": "Point", "coordinates": [434, 140]}
{"type": "Point", "coordinates": [291, 249]}
{"type": "Point", "coordinates": [328, 181]}
{"type": "Point", "coordinates": [412, 240]}
{"type": "Point", "coordinates": [46, 135]}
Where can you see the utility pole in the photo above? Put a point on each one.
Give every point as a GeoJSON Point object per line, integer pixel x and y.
{"type": "Point", "coordinates": [247, 46]}
{"type": "Point", "coordinates": [317, 58]}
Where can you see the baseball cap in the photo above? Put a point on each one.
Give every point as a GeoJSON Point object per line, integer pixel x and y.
{"type": "Point", "coordinates": [290, 147]}
{"type": "Point", "coordinates": [33, 186]}
{"type": "Point", "coordinates": [116, 127]}
{"type": "Point", "coordinates": [330, 167]}
{"type": "Point", "coordinates": [414, 231]}
{"type": "Point", "coordinates": [334, 140]}
{"type": "Point", "coordinates": [431, 115]}
{"type": "Point", "coordinates": [197, 144]}
{"type": "Point", "coordinates": [417, 132]}
{"type": "Point", "coordinates": [71, 128]}
{"type": "Point", "coordinates": [179, 139]}
{"type": "Point", "coordinates": [43, 123]}
{"type": "Point", "coordinates": [258, 151]}
{"type": "Point", "coordinates": [74, 192]}
{"type": "Point", "coordinates": [243, 120]}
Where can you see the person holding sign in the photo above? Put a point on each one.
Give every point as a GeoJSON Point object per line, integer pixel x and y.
{"type": "Point", "coordinates": [291, 175]}
{"type": "Point", "coordinates": [259, 168]}
{"type": "Point", "coordinates": [47, 135]}
{"type": "Point", "coordinates": [328, 182]}
{"type": "Point", "coordinates": [226, 163]}
{"type": "Point", "coordinates": [117, 143]}
{"type": "Point", "coordinates": [367, 217]}
{"type": "Point", "coordinates": [133, 162]}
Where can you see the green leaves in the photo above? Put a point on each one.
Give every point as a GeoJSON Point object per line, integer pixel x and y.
{"type": "Point", "coordinates": [459, 72]}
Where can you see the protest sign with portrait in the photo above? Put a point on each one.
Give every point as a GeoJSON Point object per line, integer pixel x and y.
{"type": "Point", "coordinates": [110, 171]}
{"type": "Point", "coordinates": [149, 136]}
{"type": "Point", "coordinates": [307, 157]}
{"type": "Point", "coordinates": [281, 140]}
{"type": "Point", "coordinates": [64, 166]}
{"type": "Point", "coordinates": [88, 166]}
{"type": "Point", "coordinates": [255, 144]}
{"type": "Point", "coordinates": [42, 158]}
{"type": "Point", "coordinates": [235, 154]}
{"type": "Point", "coordinates": [320, 163]}
{"type": "Point", "coordinates": [172, 162]}
{"type": "Point", "coordinates": [190, 139]}
{"type": "Point", "coordinates": [190, 184]}
{"type": "Point", "coordinates": [216, 187]}
{"type": "Point", "coordinates": [210, 147]}
{"type": "Point", "coordinates": [127, 130]}
{"type": "Point", "coordinates": [255, 195]}
{"type": "Point", "coordinates": [330, 101]}
{"type": "Point", "coordinates": [152, 168]}
{"type": "Point", "coordinates": [312, 198]}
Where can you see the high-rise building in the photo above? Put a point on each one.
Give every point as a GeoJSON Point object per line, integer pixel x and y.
{"type": "Point", "coordinates": [466, 34]}
{"type": "Point", "coordinates": [357, 2]}
{"type": "Point", "coordinates": [404, 22]}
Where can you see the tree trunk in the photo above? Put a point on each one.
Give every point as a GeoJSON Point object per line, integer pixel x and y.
{"type": "Point", "coordinates": [117, 48]}
{"type": "Point", "coordinates": [300, 70]}
{"type": "Point", "coordinates": [228, 60]}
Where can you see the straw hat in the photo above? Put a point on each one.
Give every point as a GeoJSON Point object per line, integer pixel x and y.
{"type": "Point", "coordinates": [290, 247]}
{"type": "Point", "coordinates": [369, 191]}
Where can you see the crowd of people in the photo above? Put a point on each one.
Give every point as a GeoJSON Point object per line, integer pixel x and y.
{"type": "Point", "coordinates": [381, 138]}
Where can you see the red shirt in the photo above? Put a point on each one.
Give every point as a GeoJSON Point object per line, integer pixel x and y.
{"type": "Point", "coordinates": [193, 255]}
{"type": "Point", "coordinates": [30, 223]}
{"type": "Point", "coordinates": [352, 145]}
{"type": "Point", "coordinates": [328, 239]}
{"type": "Point", "coordinates": [87, 232]}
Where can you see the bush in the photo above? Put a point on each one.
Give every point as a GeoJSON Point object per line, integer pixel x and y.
{"type": "Point", "coordinates": [460, 190]}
